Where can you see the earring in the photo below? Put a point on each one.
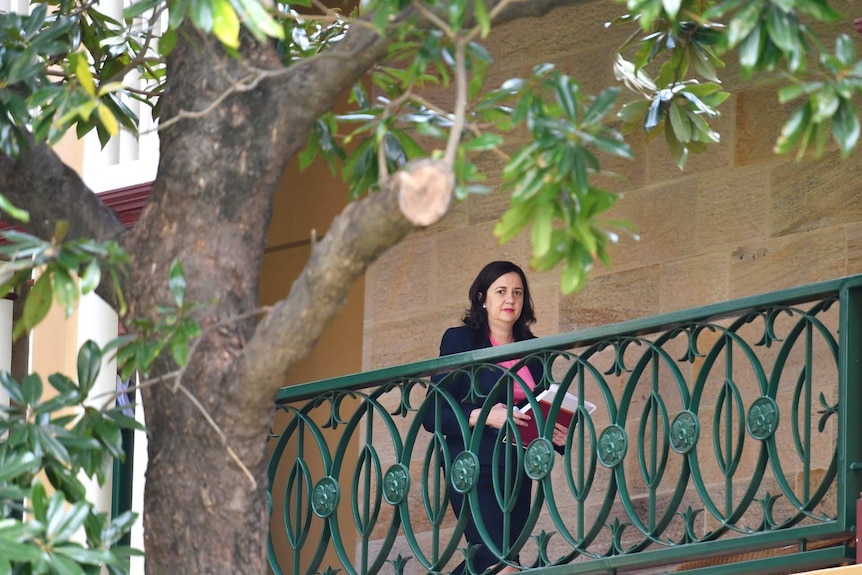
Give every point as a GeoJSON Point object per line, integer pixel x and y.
{"type": "Point", "coordinates": [483, 306]}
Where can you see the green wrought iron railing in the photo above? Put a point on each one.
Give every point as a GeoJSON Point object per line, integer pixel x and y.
{"type": "Point", "coordinates": [727, 432]}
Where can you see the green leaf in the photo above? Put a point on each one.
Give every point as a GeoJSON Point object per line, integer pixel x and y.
{"type": "Point", "coordinates": [482, 18]}
{"type": "Point", "coordinates": [705, 63]}
{"type": "Point", "coordinates": [751, 47]}
{"type": "Point", "coordinates": [138, 8]}
{"type": "Point", "coordinates": [744, 22]}
{"type": "Point", "coordinates": [602, 104]}
{"type": "Point", "coordinates": [168, 40]}
{"type": "Point", "coordinates": [9, 208]}
{"type": "Point", "coordinates": [80, 555]}
{"type": "Point", "coordinates": [845, 127]}
{"type": "Point", "coordinates": [91, 277]}
{"type": "Point", "coordinates": [679, 123]}
{"type": "Point", "coordinates": [120, 525]}
{"type": "Point", "coordinates": [612, 143]}
{"type": "Point", "coordinates": [225, 23]}
{"type": "Point", "coordinates": [12, 387]}
{"type": "Point", "coordinates": [543, 220]}
{"type": "Point", "coordinates": [81, 69]}
{"type": "Point", "coordinates": [410, 146]}
{"type": "Point", "coordinates": [819, 10]}
{"type": "Point", "coordinates": [258, 20]}
{"type": "Point", "coordinates": [678, 151]}
{"type": "Point", "coordinates": [67, 482]}
{"type": "Point", "coordinates": [793, 129]}
{"type": "Point", "coordinates": [177, 282]}
{"type": "Point", "coordinates": [109, 434]}
{"type": "Point", "coordinates": [18, 463]}
{"type": "Point", "coordinates": [654, 115]}
{"type": "Point", "coordinates": [180, 350]}
{"type": "Point", "coordinates": [825, 103]}
{"type": "Point", "coordinates": [65, 289]}
{"type": "Point", "coordinates": [567, 96]}
{"type": "Point", "coordinates": [201, 13]}
{"type": "Point", "coordinates": [63, 522]}
{"type": "Point", "coordinates": [553, 256]}
{"type": "Point", "coordinates": [457, 11]}
{"type": "Point", "coordinates": [89, 365]}
{"type": "Point", "coordinates": [483, 143]}
{"type": "Point", "coordinates": [513, 221]}
{"type": "Point", "coordinates": [45, 437]}
{"type": "Point", "coordinates": [573, 274]}
{"type": "Point", "coordinates": [108, 120]}
{"type": "Point", "coordinates": [24, 552]}
{"type": "Point", "coordinates": [36, 307]}
{"type": "Point", "coordinates": [634, 112]}
{"type": "Point", "coordinates": [64, 566]}
{"type": "Point", "coordinates": [793, 91]}
{"type": "Point", "coordinates": [782, 30]}
{"type": "Point", "coordinates": [62, 383]}
{"type": "Point", "coordinates": [39, 500]}
{"type": "Point", "coordinates": [529, 184]}
{"type": "Point", "coordinates": [31, 387]}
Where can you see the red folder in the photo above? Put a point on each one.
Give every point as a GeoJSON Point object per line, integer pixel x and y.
{"type": "Point", "coordinates": [567, 410]}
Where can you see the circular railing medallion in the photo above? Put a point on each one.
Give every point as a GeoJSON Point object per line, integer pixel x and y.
{"type": "Point", "coordinates": [539, 458]}
{"type": "Point", "coordinates": [613, 444]}
{"type": "Point", "coordinates": [762, 418]}
{"type": "Point", "coordinates": [324, 498]}
{"type": "Point", "coordinates": [684, 432]}
{"type": "Point", "coordinates": [465, 471]}
{"type": "Point", "coordinates": [396, 483]}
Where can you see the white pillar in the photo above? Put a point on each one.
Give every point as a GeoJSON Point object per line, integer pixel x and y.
{"type": "Point", "coordinates": [5, 343]}
{"type": "Point", "coordinates": [98, 322]}
{"type": "Point", "coordinates": [136, 566]}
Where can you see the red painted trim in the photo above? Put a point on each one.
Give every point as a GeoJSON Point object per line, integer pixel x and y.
{"type": "Point", "coordinates": [128, 202]}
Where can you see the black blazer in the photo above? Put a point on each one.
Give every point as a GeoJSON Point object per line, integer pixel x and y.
{"type": "Point", "coordinates": [457, 340]}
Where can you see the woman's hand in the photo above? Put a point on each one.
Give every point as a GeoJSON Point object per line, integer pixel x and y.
{"type": "Point", "coordinates": [560, 432]}
{"type": "Point", "coordinates": [498, 415]}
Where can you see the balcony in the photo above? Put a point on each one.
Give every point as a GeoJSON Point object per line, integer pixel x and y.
{"type": "Point", "coordinates": [725, 440]}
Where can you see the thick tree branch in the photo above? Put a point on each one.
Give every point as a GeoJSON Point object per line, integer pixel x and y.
{"type": "Point", "coordinates": [51, 191]}
{"type": "Point", "coordinates": [357, 237]}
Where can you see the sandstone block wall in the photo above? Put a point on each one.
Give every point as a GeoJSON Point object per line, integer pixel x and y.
{"type": "Point", "coordinates": [738, 221]}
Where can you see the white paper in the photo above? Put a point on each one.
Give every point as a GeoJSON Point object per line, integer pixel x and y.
{"type": "Point", "coordinates": [570, 401]}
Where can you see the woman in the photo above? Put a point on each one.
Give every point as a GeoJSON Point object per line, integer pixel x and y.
{"type": "Point", "coordinates": [500, 312]}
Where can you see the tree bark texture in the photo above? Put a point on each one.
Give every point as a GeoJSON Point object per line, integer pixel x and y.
{"type": "Point", "coordinates": [205, 513]}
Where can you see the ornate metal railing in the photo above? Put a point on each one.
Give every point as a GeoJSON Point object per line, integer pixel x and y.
{"type": "Point", "coordinates": [723, 430]}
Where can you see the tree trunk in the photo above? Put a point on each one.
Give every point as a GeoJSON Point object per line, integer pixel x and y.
{"type": "Point", "coordinates": [205, 500]}
{"type": "Point", "coordinates": [210, 208]}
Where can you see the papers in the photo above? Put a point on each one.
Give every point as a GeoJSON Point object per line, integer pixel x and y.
{"type": "Point", "coordinates": [568, 407]}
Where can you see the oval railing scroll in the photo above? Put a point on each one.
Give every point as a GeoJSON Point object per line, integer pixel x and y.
{"type": "Point", "coordinates": [716, 429]}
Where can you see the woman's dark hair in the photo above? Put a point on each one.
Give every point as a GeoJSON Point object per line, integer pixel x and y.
{"type": "Point", "coordinates": [476, 317]}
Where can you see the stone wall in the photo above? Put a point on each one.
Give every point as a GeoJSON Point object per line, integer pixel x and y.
{"type": "Point", "coordinates": [738, 221]}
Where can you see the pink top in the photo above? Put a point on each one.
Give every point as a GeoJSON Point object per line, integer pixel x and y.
{"type": "Point", "coordinates": [524, 373]}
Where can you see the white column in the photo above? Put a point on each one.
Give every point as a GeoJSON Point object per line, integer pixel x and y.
{"type": "Point", "coordinates": [5, 343]}
{"type": "Point", "coordinates": [98, 322]}
{"type": "Point", "coordinates": [136, 566]}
